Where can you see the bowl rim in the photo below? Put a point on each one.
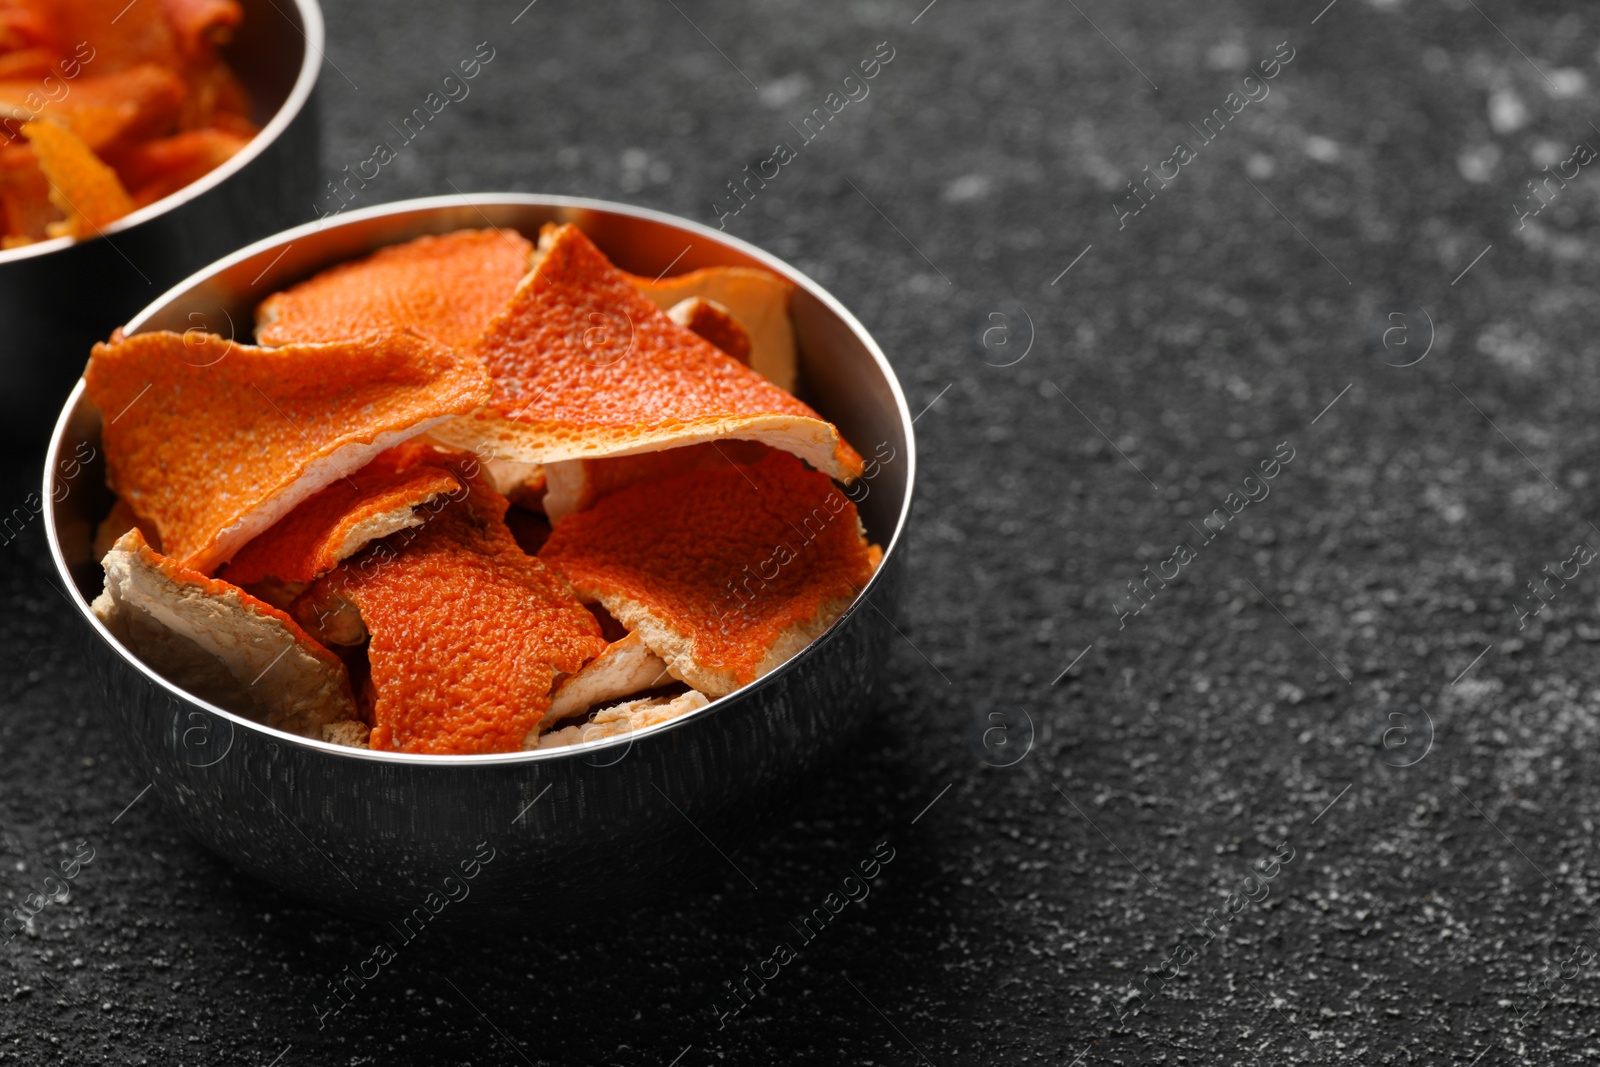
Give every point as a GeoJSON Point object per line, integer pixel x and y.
{"type": "Point", "coordinates": [479, 201]}
{"type": "Point", "coordinates": [314, 31]}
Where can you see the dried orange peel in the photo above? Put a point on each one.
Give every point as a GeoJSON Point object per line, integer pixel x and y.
{"type": "Point", "coordinates": [625, 667]}
{"type": "Point", "coordinates": [24, 25]}
{"type": "Point", "coordinates": [29, 63]}
{"type": "Point", "coordinates": [624, 719]}
{"type": "Point", "coordinates": [161, 167]}
{"type": "Point", "coordinates": [392, 493]}
{"type": "Point", "coordinates": [213, 441]}
{"type": "Point", "coordinates": [82, 188]}
{"type": "Point", "coordinates": [200, 26]}
{"type": "Point", "coordinates": [447, 287]}
{"type": "Point", "coordinates": [97, 80]}
{"type": "Point", "coordinates": [574, 485]}
{"type": "Point", "coordinates": [585, 367]}
{"type": "Point", "coordinates": [25, 196]}
{"type": "Point", "coordinates": [715, 323]}
{"type": "Point", "coordinates": [220, 642]}
{"type": "Point", "coordinates": [724, 573]}
{"type": "Point", "coordinates": [468, 633]}
{"type": "Point", "coordinates": [122, 34]}
{"type": "Point", "coordinates": [758, 301]}
{"type": "Point", "coordinates": [108, 112]}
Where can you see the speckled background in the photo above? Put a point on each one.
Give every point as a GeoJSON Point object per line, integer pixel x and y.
{"type": "Point", "coordinates": [1342, 676]}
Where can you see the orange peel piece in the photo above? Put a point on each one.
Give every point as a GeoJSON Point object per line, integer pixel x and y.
{"type": "Point", "coordinates": [625, 667]}
{"type": "Point", "coordinates": [219, 642]}
{"type": "Point", "coordinates": [237, 125]}
{"type": "Point", "coordinates": [624, 719]}
{"type": "Point", "coordinates": [468, 632]}
{"type": "Point", "coordinates": [31, 63]}
{"type": "Point", "coordinates": [82, 188]}
{"type": "Point", "coordinates": [122, 34]}
{"type": "Point", "coordinates": [392, 493]}
{"type": "Point", "coordinates": [520, 483]}
{"type": "Point", "coordinates": [446, 287]}
{"type": "Point", "coordinates": [757, 299]}
{"type": "Point", "coordinates": [107, 111]}
{"type": "Point", "coordinates": [25, 196]}
{"type": "Point", "coordinates": [202, 25]}
{"type": "Point", "coordinates": [214, 441]}
{"type": "Point", "coordinates": [585, 367]}
{"type": "Point", "coordinates": [25, 24]}
{"type": "Point", "coordinates": [160, 168]}
{"type": "Point", "coordinates": [724, 573]}
{"type": "Point", "coordinates": [575, 484]}
{"type": "Point", "coordinates": [715, 323]}
{"type": "Point", "coordinates": [351, 733]}
{"type": "Point", "coordinates": [217, 98]}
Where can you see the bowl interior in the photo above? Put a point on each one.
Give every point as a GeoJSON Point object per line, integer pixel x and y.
{"type": "Point", "coordinates": [843, 374]}
{"type": "Point", "coordinates": [274, 43]}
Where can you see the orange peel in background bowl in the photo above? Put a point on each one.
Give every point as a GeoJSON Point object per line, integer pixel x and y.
{"type": "Point", "coordinates": [86, 87]}
{"type": "Point", "coordinates": [85, 190]}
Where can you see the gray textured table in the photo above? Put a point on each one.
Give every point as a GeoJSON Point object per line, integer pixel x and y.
{"type": "Point", "coordinates": [1322, 793]}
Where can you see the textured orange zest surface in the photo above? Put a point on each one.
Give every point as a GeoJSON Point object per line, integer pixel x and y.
{"type": "Point", "coordinates": [82, 188]}
{"type": "Point", "coordinates": [304, 544]}
{"type": "Point", "coordinates": [579, 351]}
{"type": "Point", "coordinates": [202, 433]}
{"type": "Point", "coordinates": [178, 573]}
{"type": "Point", "coordinates": [447, 287]}
{"type": "Point", "coordinates": [729, 557]}
{"type": "Point", "coordinates": [468, 632]}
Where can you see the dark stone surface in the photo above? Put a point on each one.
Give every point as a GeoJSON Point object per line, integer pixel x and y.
{"type": "Point", "coordinates": [1424, 917]}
